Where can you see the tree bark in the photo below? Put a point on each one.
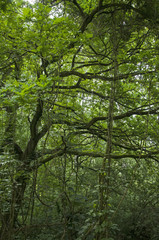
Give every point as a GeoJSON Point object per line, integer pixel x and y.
{"type": "Point", "coordinates": [18, 182]}
{"type": "Point", "coordinates": [105, 174]}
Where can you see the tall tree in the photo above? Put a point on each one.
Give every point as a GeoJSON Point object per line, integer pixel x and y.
{"type": "Point", "coordinates": [78, 91]}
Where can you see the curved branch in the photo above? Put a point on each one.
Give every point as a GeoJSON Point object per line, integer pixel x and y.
{"type": "Point", "coordinates": [124, 115]}
{"type": "Point", "coordinates": [79, 8]}
{"type": "Point", "coordinates": [104, 78]}
{"type": "Point", "coordinates": [37, 116]}
{"type": "Point", "coordinates": [35, 135]}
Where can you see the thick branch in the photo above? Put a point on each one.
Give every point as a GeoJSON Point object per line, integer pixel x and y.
{"type": "Point", "coordinates": [35, 136]}
{"type": "Point", "coordinates": [124, 115]}
{"type": "Point", "coordinates": [35, 120]}
{"type": "Point", "coordinates": [114, 156]}
{"type": "Point", "coordinates": [98, 76]}
{"type": "Point", "coordinates": [79, 8]}
{"type": "Point", "coordinates": [55, 153]}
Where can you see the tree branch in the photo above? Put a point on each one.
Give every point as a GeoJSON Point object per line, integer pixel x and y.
{"type": "Point", "coordinates": [124, 115]}
{"type": "Point", "coordinates": [97, 76]}
{"type": "Point", "coordinates": [79, 8]}
{"type": "Point", "coordinates": [35, 136]}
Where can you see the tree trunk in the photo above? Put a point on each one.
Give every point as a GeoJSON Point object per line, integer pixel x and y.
{"type": "Point", "coordinates": [9, 218]}
{"type": "Point", "coordinates": [105, 174]}
{"type": "Point", "coordinates": [18, 178]}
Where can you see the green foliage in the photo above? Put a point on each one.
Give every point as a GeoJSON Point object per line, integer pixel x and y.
{"type": "Point", "coordinates": [79, 120]}
{"type": "Point", "coordinates": [4, 4]}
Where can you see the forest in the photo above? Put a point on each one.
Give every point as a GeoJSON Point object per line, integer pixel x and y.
{"type": "Point", "coordinates": [79, 120]}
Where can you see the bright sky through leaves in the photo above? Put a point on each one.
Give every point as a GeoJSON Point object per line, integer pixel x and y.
{"type": "Point", "coordinates": [31, 1]}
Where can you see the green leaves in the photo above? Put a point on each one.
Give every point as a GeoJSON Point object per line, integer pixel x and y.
{"type": "Point", "coordinates": [4, 4]}
{"type": "Point", "coordinates": [81, 77]}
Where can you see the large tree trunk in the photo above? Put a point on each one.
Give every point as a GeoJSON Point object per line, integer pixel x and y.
{"type": "Point", "coordinates": [17, 179]}
{"type": "Point", "coordinates": [10, 215]}
{"type": "Point", "coordinates": [13, 187]}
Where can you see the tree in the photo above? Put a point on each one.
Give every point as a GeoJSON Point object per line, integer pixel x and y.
{"type": "Point", "coordinates": [79, 95]}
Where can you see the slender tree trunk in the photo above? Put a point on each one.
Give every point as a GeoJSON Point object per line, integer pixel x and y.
{"type": "Point", "coordinates": [105, 174]}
